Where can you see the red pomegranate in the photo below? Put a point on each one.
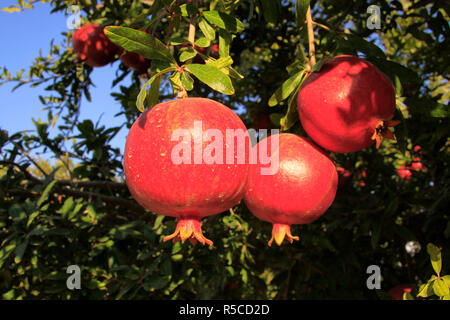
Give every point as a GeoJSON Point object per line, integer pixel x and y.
{"type": "Point", "coordinates": [417, 165]}
{"type": "Point", "coordinates": [404, 172]}
{"type": "Point", "coordinates": [397, 291]}
{"type": "Point", "coordinates": [135, 61]}
{"type": "Point", "coordinates": [173, 169]}
{"type": "Point", "coordinates": [347, 105]}
{"type": "Point", "coordinates": [299, 192]}
{"type": "Point", "coordinates": [93, 47]}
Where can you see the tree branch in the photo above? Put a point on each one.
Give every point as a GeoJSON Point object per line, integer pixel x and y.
{"type": "Point", "coordinates": [312, 49]}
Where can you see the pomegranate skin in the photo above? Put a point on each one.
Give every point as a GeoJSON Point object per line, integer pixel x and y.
{"type": "Point", "coordinates": [347, 105]}
{"type": "Point", "coordinates": [135, 62]}
{"type": "Point", "coordinates": [93, 47]}
{"type": "Point", "coordinates": [300, 191]}
{"type": "Point", "coordinates": [186, 191]}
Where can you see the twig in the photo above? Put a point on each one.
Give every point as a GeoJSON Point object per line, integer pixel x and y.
{"type": "Point", "coordinates": [25, 153]}
{"type": "Point", "coordinates": [312, 50]}
{"type": "Point", "coordinates": [191, 36]}
{"type": "Point", "coordinates": [321, 26]}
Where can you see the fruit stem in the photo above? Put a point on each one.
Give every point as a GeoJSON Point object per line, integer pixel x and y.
{"type": "Point", "coordinates": [188, 229]}
{"type": "Point", "coordinates": [281, 231]}
{"type": "Point", "coordinates": [312, 49]}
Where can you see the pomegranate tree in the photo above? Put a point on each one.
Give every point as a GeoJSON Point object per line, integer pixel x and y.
{"type": "Point", "coordinates": [93, 47]}
{"type": "Point", "coordinates": [168, 165]}
{"type": "Point", "coordinates": [347, 105]}
{"type": "Point", "coordinates": [299, 192]}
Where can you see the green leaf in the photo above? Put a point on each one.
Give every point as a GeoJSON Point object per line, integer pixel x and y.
{"type": "Point", "coordinates": [143, 93]}
{"type": "Point", "coordinates": [224, 43]}
{"type": "Point", "coordinates": [407, 296]}
{"type": "Point", "coordinates": [187, 54]}
{"type": "Point", "coordinates": [427, 107]}
{"type": "Point", "coordinates": [223, 21]}
{"type": "Point", "coordinates": [207, 29]}
{"type": "Point", "coordinates": [271, 10]}
{"type": "Point", "coordinates": [354, 43]}
{"type": "Point", "coordinates": [47, 190]}
{"type": "Point", "coordinates": [425, 290]}
{"type": "Point", "coordinates": [20, 250]}
{"type": "Point", "coordinates": [435, 256]}
{"type": "Point", "coordinates": [187, 81]}
{"type": "Point", "coordinates": [401, 131]}
{"type": "Point", "coordinates": [440, 288]}
{"type": "Point", "coordinates": [140, 42]}
{"type": "Point", "coordinates": [221, 62]}
{"type": "Point", "coordinates": [203, 42]}
{"type": "Point", "coordinates": [286, 88]}
{"type": "Point", "coordinates": [153, 95]}
{"type": "Point", "coordinates": [158, 222]}
{"type": "Point", "coordinates": [447, 280]}
{"type": "Point", "coordinates": [212, 77]}
{"type": "Point", "coordinates": [300, 12]}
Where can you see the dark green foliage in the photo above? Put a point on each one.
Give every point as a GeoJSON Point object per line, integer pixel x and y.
{"type": "Point", "coordinates": [80, 211]}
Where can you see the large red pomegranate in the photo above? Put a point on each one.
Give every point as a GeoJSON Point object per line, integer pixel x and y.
{"type": "Point", "coordinates": [93, 47]}
{"type": "Point", "coordinates": [347, 105]}
{"type": "Point", "coordinates": [299, 192]}
{"type": "Point", "coordinates": [172, 168]}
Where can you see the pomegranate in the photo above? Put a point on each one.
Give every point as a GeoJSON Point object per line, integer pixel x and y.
{"type": "Point", "coordinates": [192, 187]}
{"type": "Point", "coordinates": [299, 192]}
{"type": "Point", "coordinates": [347, 105]}
{"type": "Point", "coordinates": [93, 47]}
{"type": "Point", "coordinates": [404, 172]}
{"type": "Point", "coordinates": [135, 61]}
{"type": "Point", "coordinates": [397, 291]}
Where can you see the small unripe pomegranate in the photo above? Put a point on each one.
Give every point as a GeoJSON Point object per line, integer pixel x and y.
{"type": "Point", "coordinates": [298, 192]}
{"type": "Point", "coordinates": [398, 291]}
{"type": "Point", "coordinates": [176, 163]}
{"type": "Point", "coordinates": [347, 105]}
{"type": "Point", "coordinates": [93, 47]}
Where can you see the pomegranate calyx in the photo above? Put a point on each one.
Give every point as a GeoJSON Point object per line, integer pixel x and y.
{"type": "Point", "coordinates": [188, 229]}
{"type": "Point", "coordinates": [382, 131]}
{"type": "Point", "coordinates": [280, 232]}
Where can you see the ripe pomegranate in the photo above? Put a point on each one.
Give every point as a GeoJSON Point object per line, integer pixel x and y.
{"type": "Point", "coordinates": [93, 47]}
{"type": "Point", "coordinates": [135, 61]}
{"type": "Point", "coordinates": [186, 186]}
{"type": "Point", "coordinates": [404, 172]}
{"type": "Point", "coordinates": [347, 105]}
{"type": "Point", "coordinates": [299, 192]}
{"type": "Point", "coordinates": [397, 291]}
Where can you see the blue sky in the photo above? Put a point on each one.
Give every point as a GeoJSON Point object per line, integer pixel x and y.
{"type": "Point", "coordinates": [22, 35]}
